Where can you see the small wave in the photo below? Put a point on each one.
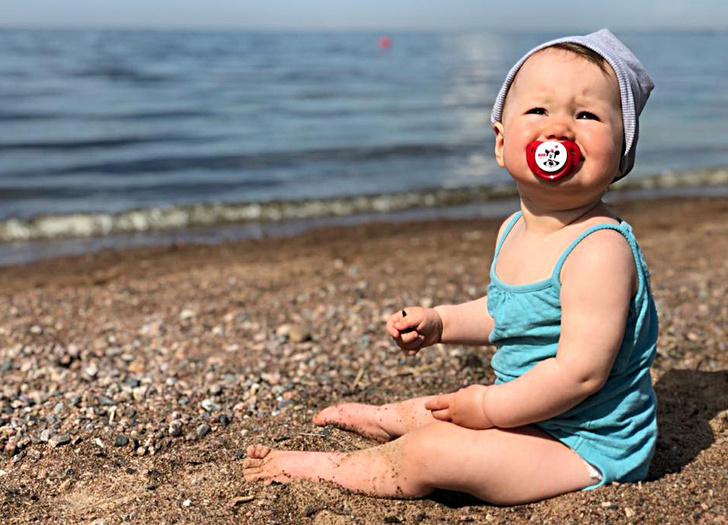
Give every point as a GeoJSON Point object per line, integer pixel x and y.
{"type": "Point", "coordinates": [64, 145]}
{"type": "Point", "coordinates": [122, 73]}
{"type": "Point", "coordinates": [183, 217]}
{"type": "Point", "coordinates": [10, 116]}
{"type": "Point", "coordinates": [271, 159]}
{"type": "Point", "coordinates": [200, 215]}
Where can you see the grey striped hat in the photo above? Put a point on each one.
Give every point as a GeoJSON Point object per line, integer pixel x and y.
{"type": "Point", "coordinates": [634, 84]}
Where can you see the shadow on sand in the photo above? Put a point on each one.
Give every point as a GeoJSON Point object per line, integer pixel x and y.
{"type": "Point", "coordinates": [687, 401]}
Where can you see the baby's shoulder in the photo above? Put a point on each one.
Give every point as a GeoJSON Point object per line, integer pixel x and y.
{"type": "Point", "coordinates": [603, 250]}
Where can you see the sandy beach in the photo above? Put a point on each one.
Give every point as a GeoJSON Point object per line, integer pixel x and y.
{"type": "Point", "coordinates": [132, 382]}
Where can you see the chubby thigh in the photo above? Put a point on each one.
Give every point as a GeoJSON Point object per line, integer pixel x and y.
{"type": "Point", "coordinates": [501, 466]}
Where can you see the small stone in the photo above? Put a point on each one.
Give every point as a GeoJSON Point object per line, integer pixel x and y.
{"type": "Point", "coordinates": [224, 420]}
{"type": "Point", "coordinates": [45, 435]}
{"type": "Point", "coordinates": [187, 503]}
{"type": "Point", "coordinates": [628, 512]}
{"type": "Point", "coordinates": [175, 428]}
{"type": "Point", "coordinates": [392, 519]}
{"type": "Point", "coordinates": [121, 440]}
{"type": "Point", "coordinates": [299, 333]}
{"type": "Point", "coordinates": [202, 430]}
{"type": "Point", "coordinates": [210, 406]}
{"type": "Point", "coordinates": [243, 499]}
{"type": "Point", "coordinates": [310, 511]}
{"type": "Point", "coordinates": [60, 439]}
{"type": "Point", "coordinates": [186, 314]}
{"type": "Point", "coordinates": [106, 401]}
{"type": "Point", "coordinates": [36, 329]}
{"type": "Point", "coordinates": [216, 389]}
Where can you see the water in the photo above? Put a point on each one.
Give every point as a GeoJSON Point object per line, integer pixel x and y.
{"type": "Point", "coordinates": [104, 132]}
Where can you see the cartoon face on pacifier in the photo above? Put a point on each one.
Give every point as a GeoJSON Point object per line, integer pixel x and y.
{"type": "Point", "coordinates": [552, 160]}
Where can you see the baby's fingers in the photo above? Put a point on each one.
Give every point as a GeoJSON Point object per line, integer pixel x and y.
{"type": "Point", "coordinates": [411, 340]}
{"type": "Point", "coordinates": [438, 402]}
{"type": "Point", "coordinates": [442, 415]}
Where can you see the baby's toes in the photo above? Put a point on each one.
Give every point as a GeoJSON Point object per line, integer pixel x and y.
{"type": "Point", "coordinates": [252, 463]}
{"type": "Point", "coordinates": [252, 475]}
{"type": "Point", "coordinates": [258, 451]}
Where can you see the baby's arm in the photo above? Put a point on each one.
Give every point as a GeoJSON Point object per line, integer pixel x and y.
{"type": "Point", "coordinates": [598, 282]}
{"type": "Point", "coordinates": [466, 324]}
{"type": "Point", "coordinates": [415, 327]}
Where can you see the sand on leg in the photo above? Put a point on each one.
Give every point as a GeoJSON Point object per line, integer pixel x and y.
{"type": "Point", "coordinates": [378, 422]}
{"type": "Point", "coordinates": [501, 466]}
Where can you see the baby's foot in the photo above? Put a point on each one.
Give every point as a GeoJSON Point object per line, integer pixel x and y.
{"type": "Point", "coordinates": [363, 419]}
{"type": "Point", "coordinates": [266, 465]}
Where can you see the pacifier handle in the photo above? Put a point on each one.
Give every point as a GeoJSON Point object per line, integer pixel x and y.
{"type": "Point", "coordinates": [553, 160]}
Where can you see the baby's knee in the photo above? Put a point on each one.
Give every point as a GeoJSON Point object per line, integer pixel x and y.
{"type": "Point", "coordinates": [419, 455]}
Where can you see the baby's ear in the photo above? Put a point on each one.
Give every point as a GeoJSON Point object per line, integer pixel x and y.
{"type": "Point", "coordinates": [499, 143]}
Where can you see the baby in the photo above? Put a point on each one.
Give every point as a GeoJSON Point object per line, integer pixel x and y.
{"type": "Point", "coordinates": [568, 307]}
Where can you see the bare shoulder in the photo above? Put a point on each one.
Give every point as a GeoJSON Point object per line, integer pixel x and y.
{"type": "Point", "coordinates": [604, 258]}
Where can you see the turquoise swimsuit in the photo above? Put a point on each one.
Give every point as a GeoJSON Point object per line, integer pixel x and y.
{"type": "Point", "coordinates": [614, 429]}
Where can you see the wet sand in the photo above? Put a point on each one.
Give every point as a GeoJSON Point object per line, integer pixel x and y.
{"type": "Point", "coordinates": [133, 381]}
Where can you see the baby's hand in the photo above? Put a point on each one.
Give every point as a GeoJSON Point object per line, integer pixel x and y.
{"type": "Point", "coordinates": [464, 407]}
{"type": "Point", "coordinates": [415, 328]}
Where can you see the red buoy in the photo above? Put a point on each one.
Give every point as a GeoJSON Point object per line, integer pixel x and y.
{"type": "Point", "coordinates": [385, 42]}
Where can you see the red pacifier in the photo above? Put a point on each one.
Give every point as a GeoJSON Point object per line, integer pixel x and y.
{"type": "Point", "coordinates": [552, 160]}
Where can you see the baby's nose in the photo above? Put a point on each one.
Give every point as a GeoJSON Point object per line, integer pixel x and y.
{"type": "Point", "coordinates": [558, 129]}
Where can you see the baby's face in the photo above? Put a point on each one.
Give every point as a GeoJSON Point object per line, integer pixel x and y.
{"type": "Point", "coordinates": [559, 95]}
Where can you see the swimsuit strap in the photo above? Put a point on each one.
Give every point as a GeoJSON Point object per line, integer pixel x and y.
{"type": "Point", "coordinates": [597, 227]}
{"type": "Point", "coordinates": [508, 229]}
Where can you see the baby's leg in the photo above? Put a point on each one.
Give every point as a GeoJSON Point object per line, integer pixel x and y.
{"type": "Point", "coordinates": [500, 466]}
{"type": "Point", "coordinates": [378, 422]}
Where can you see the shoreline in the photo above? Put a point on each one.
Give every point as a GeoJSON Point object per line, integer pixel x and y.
{"type": "Point", "coordinates": [134, 380]}
{"type": "Point", "coordinates": [497, 202]}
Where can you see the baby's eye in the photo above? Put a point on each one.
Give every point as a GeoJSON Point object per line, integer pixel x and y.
{"type": "Point", "coordinates": [587, 115]}
{"type": "Point", "coordinates": [536, 111]}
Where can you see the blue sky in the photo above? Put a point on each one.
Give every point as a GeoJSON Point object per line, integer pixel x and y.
{"type": "Point", "coordinates": [365, 14]}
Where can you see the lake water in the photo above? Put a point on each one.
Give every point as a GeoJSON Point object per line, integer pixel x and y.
{"type": "Point", "coordinates": [103, 132]}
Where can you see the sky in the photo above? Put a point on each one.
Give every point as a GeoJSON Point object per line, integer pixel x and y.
{"type": "Point", "coordinates": [365, 14]}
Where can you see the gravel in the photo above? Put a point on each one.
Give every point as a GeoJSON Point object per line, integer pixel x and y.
{"type": "Point", "coordinates": [157, 346]}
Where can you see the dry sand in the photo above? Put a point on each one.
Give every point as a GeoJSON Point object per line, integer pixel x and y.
{"type": "Point", "coordinates": [132, 382]}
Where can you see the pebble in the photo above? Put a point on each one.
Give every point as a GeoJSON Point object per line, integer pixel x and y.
{"type": "Point", "coordinates": [106, 401]}
{"type": "Point", "coordinates": [310, 511]}
{"type": "Point", "coordinates": [121, 440]}
{"type": "Point", "coordinates": [299, 333]}
{"type": "Point", "coordinates": [59, 439]}
{"type": "Point", "coordinates": [175, 428]}
{"type": "Point", "coordinates": [202, 430]}
{"type": "Point", "coordinates": [210, 405]}
{"type": "Point", "coordinates": [187, 314]}
{"type": "Point", "coordinates": [242, 499]}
